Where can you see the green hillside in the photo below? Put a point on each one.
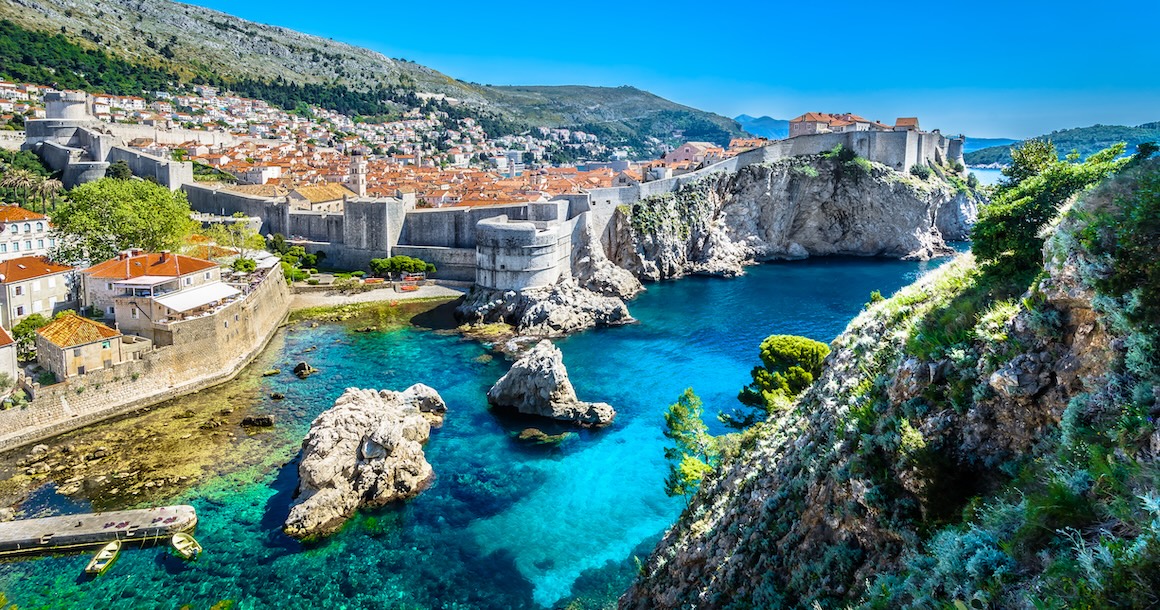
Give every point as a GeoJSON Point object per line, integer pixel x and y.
{"type": "Point", "coordinates": [1086, 140]}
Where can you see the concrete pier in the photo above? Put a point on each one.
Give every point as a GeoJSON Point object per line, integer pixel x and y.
{"type": "Point", "coordinates": [51, 534]}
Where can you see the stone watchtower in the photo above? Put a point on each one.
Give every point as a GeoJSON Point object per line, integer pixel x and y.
{"type": "Point", "coordinates": [358, 173]}
{"type": "Point", "coordinates": [67, 105]}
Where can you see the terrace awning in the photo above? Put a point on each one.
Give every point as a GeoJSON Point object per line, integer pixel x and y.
{"type": "Point", "coordinates": [193, 298]}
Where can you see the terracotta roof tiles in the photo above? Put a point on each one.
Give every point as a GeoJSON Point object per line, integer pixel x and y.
{"type": "Point", "coordinates": [124, 267]}
{"type": "Point", "coordinates": [27, 268]}
{"type": "Point", "coordinates": [71, 330]}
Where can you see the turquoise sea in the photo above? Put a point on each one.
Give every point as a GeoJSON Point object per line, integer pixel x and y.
{"type": "Point", "coordinates": [505, 525]}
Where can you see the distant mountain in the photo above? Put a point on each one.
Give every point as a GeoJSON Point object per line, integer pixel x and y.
{"type": "Point", "coordinates": [1086, 140]}
{"type": "Point", "coordinates": [973, 144]}
{"type": "Point", "coordinates": [192, 43]}
{"type": "Point", "coordinates": [765, 127]}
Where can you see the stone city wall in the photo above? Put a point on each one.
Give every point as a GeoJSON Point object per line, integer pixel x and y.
{"type": "Point", "coordinates": [167, 172]}
{"type": "Point", "coordinates": [206, 352]}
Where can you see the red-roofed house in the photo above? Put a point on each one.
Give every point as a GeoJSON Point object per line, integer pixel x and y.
{"type": "Point", "coordinates": [33, 284]}
{"type": "Point", "coordinates": [23, 233]}
{"type": "Point", "coordinates": [906, 124]}
{"type": "Point", "coordinates": [146, 274]}
{"type": "Point", "coordinates": [71, 345]}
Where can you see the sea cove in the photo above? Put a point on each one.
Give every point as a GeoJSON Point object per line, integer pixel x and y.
{"type": "Point", "coordinates": [505, 525]}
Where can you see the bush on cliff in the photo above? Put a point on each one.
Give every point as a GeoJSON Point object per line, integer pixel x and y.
{"type": "Point", "coordinates": [1007, 236]}
{"type": "Point", "coordinates": [789, 365]}
{"type": "Point", "coordinates": [694, 453]}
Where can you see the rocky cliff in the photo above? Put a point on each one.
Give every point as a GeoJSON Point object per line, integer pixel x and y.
{"type": "Point", "coordinates": [795, 208]}
{"type": "Point", "coordinates": [366, 450]}
{"type": "Point", "coordinates": [538, 384]}
{"type": "Point", "coordinates": [975, 441]}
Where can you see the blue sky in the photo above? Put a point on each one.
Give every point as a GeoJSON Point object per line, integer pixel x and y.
{"type": "Point", "coordinates": [1002, 69]}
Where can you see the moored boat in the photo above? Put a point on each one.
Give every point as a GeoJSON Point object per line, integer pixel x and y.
{"type": "Point", "coordinates": [185, 545]}
{"type": "Point", "coordinates": [104, 558]}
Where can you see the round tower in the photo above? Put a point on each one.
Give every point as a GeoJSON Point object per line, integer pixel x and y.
{"type": "Point", "coordinates": [66, 105]}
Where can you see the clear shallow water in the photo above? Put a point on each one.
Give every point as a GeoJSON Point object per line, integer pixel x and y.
{"type": "Point", "coordinates": [504, 525]}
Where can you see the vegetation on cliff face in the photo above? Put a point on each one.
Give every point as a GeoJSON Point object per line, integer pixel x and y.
{"type": "Point", "coordinates": [985, 438]}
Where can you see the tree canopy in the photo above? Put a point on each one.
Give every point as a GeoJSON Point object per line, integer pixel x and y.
{"type": "Point", "coordinates": [694, 452]}
{"type": "Point", "coordinates": [104, 217]}
{"type": "Point", "coordinates": [789, 365]}
{"type": "Point", "coordinates": [400, 264]}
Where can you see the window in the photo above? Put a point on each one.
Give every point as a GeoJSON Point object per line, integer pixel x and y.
{"type": "Point", "coordinates": [207, 275]}
{"type": "Point", "coordinates": [39, 244]}
{"type": "Point", "coordinates": [76, 351]}
{"type": "Point", "coordinates": [135, 313]}
{"type": "Point", "coordinates": [15, 228]}
{"type": "Point", "coordinates": [18, 290]}
{"type": "Point", "coordinates": [20, 310]}
{"type": "Point", "coordinates": [3, 247]}
{"type": "Point", "coordinates": [27, 228]}
{"type": "Point", "coordinates": [28, 244]}
{"type": "Point", "coordinates": [188, 281]}
{"type": "Point", "coordinates": [109, 311]}
{"type": "Point", "coordinates": [15, 246]}
{"type": "Point", "coordinates": [108, 285]}
{"type": "Point", "coordinates": [104, 345]}
{"type": "Point", "coordinates": [52, 242]}
{"type": "Point", "coordinates": [40, 226]}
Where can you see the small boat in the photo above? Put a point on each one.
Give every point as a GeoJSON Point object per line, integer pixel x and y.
{"type": "Point", "coordinates": [186, 545]}
{"type": "Point", "coordinates": [104, 558]}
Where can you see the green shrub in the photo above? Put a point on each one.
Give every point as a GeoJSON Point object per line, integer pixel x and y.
{"type": "Point", "coordinates": [312, 281]}
{"type": "Point", "coordinates": [400, 264]}
{"type": "Point", "coordinates": [245, 265]}
{"type": "Point", "coordinates": [921, 172]}
{"type": "Point", "coordinates": [1006, 237]}
{"type": "Point", "coordinates": [789, 365]}
{"type": "Point", "coordinates": [46, 378]}
{"type": "Point", "coordinates": [972, 180]}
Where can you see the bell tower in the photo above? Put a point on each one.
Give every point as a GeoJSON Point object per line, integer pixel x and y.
{"type": "Point", "coordinates": [358, 173]}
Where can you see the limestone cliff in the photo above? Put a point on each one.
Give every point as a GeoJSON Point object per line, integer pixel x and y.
{"type": "Point", "coordinates": [367, 450]}
{"type": "Point", "coordinates": [799, 207]}
{"type": "Point", "coordinates": [965, 444]}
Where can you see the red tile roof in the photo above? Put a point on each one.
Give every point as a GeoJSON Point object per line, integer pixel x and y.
{"type": "Point", "coordinates": [149, 263]}
{"type": "Point", "coordinates": [15, 213]}
{"type": "Point", "coordinates": [27, 268]}
{"type": "Point", "coordinates": [5, 338]}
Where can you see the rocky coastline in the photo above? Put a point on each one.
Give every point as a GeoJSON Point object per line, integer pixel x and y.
{"type": "Point", "coordinates": [367, 450]}
{"type": "Point", "coordinates": [791, 209]}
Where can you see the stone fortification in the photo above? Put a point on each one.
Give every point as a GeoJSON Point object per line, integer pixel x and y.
{"type": "Point", "coordinates": [366, 450]}
{"type": "Point", "coordinates": [206, 351]}
{"type": "Point", "coordinates": [795, 208]}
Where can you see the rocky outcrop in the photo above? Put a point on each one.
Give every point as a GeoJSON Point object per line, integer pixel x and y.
{"type": "Point", "coordinates": [538, 384]}
{"type": "Point", "coordinates": [595, 272]}
{"type": "Point", "coordinates": [367, 450]}
{"type": "Point", "coordinates": [790, 209]}
{"type": "Point", "coordinates": [550, 311]}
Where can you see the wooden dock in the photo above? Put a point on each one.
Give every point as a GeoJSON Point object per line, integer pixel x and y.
{"type": "Point", "coordinates": [52, 534]}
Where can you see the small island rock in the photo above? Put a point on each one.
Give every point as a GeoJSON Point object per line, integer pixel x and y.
{"type": "Point", "coordinates": [304, 370]}
{"type": "Point", "coordinates": [538, 384]}
{"type": "Point", "coordinates": [367, 450]}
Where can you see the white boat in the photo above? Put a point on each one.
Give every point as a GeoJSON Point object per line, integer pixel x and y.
{"type": "Point", "coordinates": [186, 545]}
{"type": "Point", "coordinates": [104, 558]}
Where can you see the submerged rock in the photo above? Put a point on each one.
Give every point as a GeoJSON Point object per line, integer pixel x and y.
{"type": "Point", "coordinates": [366, 450]}
{"type": "Point", "coordinates": [535, 436]}
{"type": "Point", "coordinates": [538, 384]}
{"type": "Point", "coordinates": [258, 421]}
{"type": "Point", "coordinates": [304, 370]}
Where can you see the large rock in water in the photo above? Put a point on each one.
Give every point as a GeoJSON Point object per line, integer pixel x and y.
{"type": "Point", "coordinates": [538, 384]}
{"type": "Point", "coordinates": [366, 450]}
{"type": "Point", "coordinates": [550, 311]}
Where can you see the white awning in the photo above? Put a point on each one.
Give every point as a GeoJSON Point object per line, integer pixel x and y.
{"type": "Point", "coordinates": [193, 298]}
{"type": "Point", "coordinates": [146, 280]}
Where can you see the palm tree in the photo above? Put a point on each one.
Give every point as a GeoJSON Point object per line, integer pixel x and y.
{"type": "Point", "coordinates": [20, 179]}
{"type": "Point", "coordinates": [49, 188]}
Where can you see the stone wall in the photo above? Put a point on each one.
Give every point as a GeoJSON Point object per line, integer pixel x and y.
{"type": "Point", "coordinates": [167, 172]}
{"type": "Point", "coordinates": [275, 214]}
{"type": "Point", "coordinates": [516, 255]}
{"type": "Point", "coordinates": [456, 264]}
{"type": "Point", "coordinates": [452, 227]}
{"type": "Point", "coordinates": [206, 351]}
{"type": "Point", "coordinates": [12, 140]}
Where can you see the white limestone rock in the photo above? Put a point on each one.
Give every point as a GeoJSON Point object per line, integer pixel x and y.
{"type": "Point", "coordinates": [366, 450]}
{"type": "Point", "coordinates": [595, 272]}
{"type": "Point", "coordinates": [538, 384]}
{"type": "Point", "coordinates": [789, 210]}
{"type": "Point", "coordinates": [551, 311]}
